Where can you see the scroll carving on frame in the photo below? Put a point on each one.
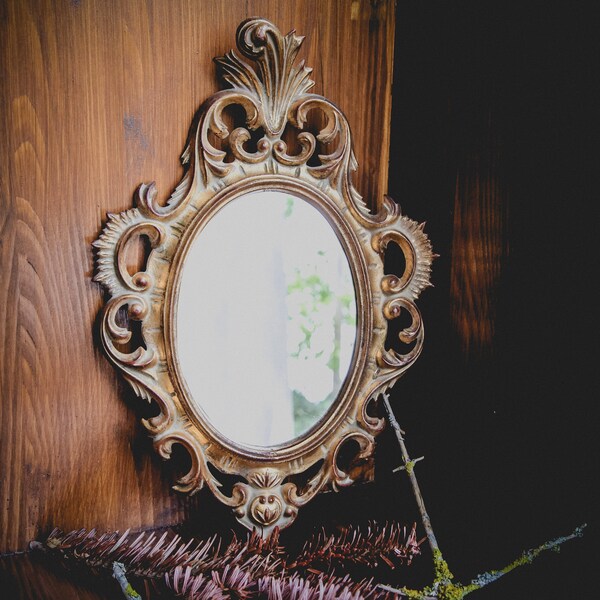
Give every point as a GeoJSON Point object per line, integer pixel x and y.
{"type": "Point", "coordinates": [273, 149]}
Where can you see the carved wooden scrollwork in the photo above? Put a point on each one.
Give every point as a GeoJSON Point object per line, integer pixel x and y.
{"type": "Point", "coordinates": [221, 163]}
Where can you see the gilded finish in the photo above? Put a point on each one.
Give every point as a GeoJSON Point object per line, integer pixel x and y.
{"type": "Point", "coordinates": [275, 98]}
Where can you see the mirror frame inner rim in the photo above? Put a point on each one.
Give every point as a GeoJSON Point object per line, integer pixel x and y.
{"type": "Point", "coordinates": [317, 434]}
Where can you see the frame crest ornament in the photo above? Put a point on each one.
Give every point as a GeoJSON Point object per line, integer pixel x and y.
{"type": "Point", "coordinates": [220, 164]}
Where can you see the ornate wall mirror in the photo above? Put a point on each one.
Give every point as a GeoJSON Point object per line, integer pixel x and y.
{"type": "Point", "coordinates": [258, 324]}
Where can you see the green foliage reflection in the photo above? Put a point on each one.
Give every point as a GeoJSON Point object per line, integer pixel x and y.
{"type": "Point", "coordinates": [321, 304]}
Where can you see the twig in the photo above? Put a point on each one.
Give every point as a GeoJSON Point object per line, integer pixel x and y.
{"type": "Point", "coordinates": [444, 588]}
{"type": "Point", "coordinates": [526, 558]}
{"type": "Point", "coordinates": [404, 594]}
{"type": "Point", "coordinates": [119, 575]}
{"type": "Point", "coordinates": [409, 467]}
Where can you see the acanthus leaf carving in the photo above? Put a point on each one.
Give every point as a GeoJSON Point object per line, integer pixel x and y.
{"type": "Point", "coordinates": [278, 82]}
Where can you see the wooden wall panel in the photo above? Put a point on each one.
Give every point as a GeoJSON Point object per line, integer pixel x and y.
{"type": "Point", "coordinates": [97, 97]}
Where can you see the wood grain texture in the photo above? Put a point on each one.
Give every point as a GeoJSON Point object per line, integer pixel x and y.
{"type": "Point", "coordinates": [479, 249]}
{"type": "Point", "coordinates": [95, 99]}
{"type": "Point", "coordinates": [30, 576]}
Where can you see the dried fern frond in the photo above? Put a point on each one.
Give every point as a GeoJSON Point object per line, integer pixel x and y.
{"type": "Point", "coordinates": [146, 555]}
{"type": "Point", "coordinates": [186, 585]}
{"type": "Point", "coordinates": [292, 587]}
{"type": "Point", "coordinates": [390, 543]}
{"type": "Point", "coordinates": [255, 554]}
{"type": "Point", "coordinates": [245, 568]}
{"type": "Point", "coordinates": [313, 587]}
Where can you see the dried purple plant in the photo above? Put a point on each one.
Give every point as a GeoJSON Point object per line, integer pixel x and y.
{"type": "Point", "coordinates": [244, 568]}
{"type": "Point", "coordinates": [292, 587]}
{"type": "Point", "coordinates": [391, 543]}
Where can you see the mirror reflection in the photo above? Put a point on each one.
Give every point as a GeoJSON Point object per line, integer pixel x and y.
{"type": "Point", "coordinates": [265, 318]}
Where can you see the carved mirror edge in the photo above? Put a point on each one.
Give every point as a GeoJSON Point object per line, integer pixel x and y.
{"type": "Point", "coordinates": [218, 164]}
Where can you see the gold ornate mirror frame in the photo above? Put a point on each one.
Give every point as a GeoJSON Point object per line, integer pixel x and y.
{"type": "Point", "coordinates": [220, 165]}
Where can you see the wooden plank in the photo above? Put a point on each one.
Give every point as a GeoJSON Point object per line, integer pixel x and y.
{"type": "Point", "coordinates": [26, 576]}
{"type": "Point", "coordinates": [96, 98]}
{"type": "Point", "coordinates": [479, 249]}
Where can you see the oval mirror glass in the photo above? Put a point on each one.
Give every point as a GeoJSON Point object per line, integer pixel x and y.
{"type": "Point", "coordinates": [265, 321]}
